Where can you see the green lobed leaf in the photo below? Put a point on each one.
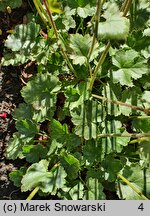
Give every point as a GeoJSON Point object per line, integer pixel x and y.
{"type": "Point", "coordinates": [79, 3]}
{"type": "Point", "coordinates": [146, 96]}
{"type": "Point", "coordinates": [26, 128]}
{"type": "Point", "coordinates": [41, 93]}
{"type": "Point", "coordinates": [86, 11]}
{"type": "Point", "coordinates": [16, 176]}
{"type": "Point", "coordinates": [54, 146]}
{"type": "Point", "coordinates": [38, 175]}
{"type": "Point", "coordinates": [58, 131]}
{"type": "Point", "coordinates": [76, 94]}
{"type": "Point", "coordinates": [23, 38]}
{"type": "Point", "coordinates": [96, 173]}
{"type": "Point", "coordinates": [21, 43]}
{"type": "Point", "coordinates": [116, 27]}
{"type": "Point", "coordinates": [114, 144]}
{"type": "Point", "coordinates": [14, 148]}
{"type": "Point", "coordinates": [56, 181]}
{"type": "Point", "coordinates": [76, 192]}
{"type": "Point", "coordinates": [34, 153]}
{"type": "Point", "coordinates": [13, 59]}
{"type": "Point", "coordinates": [92, 151]}
{"type": "Point", "coordinates": [137, 41]}
{"type": "Point", "coordinates": [80, 46]}
{"type": "Point", "coordinates": [141, 125]}
{"type": "Point", "coordinates": [24, 111]}
{"type": "Point", "coordinates": [131, 66]}
{"type": "Point", "coordinates": [144, 151]}
{"type": "Point", "coordinates": [60, 134]}
{"type": "Point", "coordinates": [71, 165]}
{"type": "Point", "coordinates": [67, 19]}
{"type": "Point", "coordinates": [111, 169]}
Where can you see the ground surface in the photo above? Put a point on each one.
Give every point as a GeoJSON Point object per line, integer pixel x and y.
{"type": "Point", "coordinates": [10, 85]}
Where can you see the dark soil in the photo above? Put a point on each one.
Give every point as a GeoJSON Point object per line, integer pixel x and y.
{"type": "Point", "coordinates": [10, 86]}
{"type": "Point", "coordinates": [10, 97]}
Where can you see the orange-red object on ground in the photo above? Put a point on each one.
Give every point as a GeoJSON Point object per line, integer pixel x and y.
{"type": "Point", "coordinates": [3, 115]}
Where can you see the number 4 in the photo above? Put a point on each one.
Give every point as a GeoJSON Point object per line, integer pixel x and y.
{"type": "Point", "coordinates": [141, 207]}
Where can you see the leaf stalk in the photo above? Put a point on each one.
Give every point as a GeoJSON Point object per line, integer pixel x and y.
{"type": "Point", "coordinates": [32, 194]}
{"type": "Point", "coordinates": [97, 17]}
{"type": "Point", "coordinates": [40, 10]}
{"type": "Point", "coordinates": [122, 103]}
{"type": "Point", "coordinates": [101, 60]}
{"type": "Point", "coordinates": [136, 190]}
{"type": "Point", "coordinates": [133, 135]}
{"type": "Point", "coordinates": [52, 23]}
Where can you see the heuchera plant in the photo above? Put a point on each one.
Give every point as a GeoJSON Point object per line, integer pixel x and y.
{"type": "Point", "coordinates": [84, 126]}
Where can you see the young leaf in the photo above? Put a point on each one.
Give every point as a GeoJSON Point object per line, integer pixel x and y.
{"type": "Point", "coordinates": [86, 11]}
{"type": "Point", "coordinates": [34, 153]}
{"type": "Point", "coordinates": [14, 148]}
{"type": "Point", "coordinates": [16, 176]}
{"type": "Point", "coordinates": [27, 128]}
{"type": "Point", "coordinates": [80, 46]}
{"type": "Point", "coordinates": [71, 165]}
{"type": "Point", "coordinates": [111, 169]}
{"type": "Point", "coordinates": [116, 27]}
{"type": "Point", "coordinates": [24, 37]}
{"type": "Point", "coordinates": [54, 6]}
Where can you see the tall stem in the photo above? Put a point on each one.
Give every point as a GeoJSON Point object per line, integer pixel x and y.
{"type": "Point", "coordinates": [97, 17]}
{"type": "Point", "coordinates": [101, 60]}
{"type": "Point", "coordinates": [52, 23]}
{"type": "Point", "coordinates": [37, 4]}
{"type": "Point", "coordinates": [125, 7]}
{"type": "Point", "coordinates": [58, 37]}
